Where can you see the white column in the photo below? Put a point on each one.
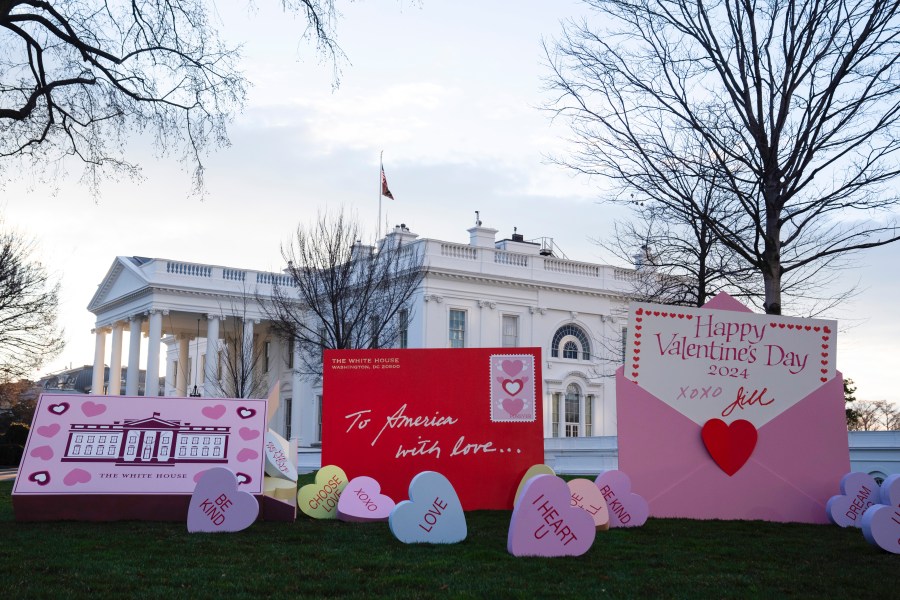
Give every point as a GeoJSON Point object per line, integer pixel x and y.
{"type": "Point", "coordinates": [246, 355]}
{"type": "Point", "coordinates": [154, 339]}
{"type": "Point", "coordinates": [114, 387]}
{"type": "Point", "coordinates": [298, 400]}
{"type": "Point", "coordinates": [99, 364]}
{"type": "Point", "coordinates": [183, 361]}
{"type": "Point", "coordinates": [133, 376]}
{"type": "Point", "coordinates": [210, 387]}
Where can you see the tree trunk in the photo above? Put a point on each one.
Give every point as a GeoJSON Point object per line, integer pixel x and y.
{"type": "Point", "coordinates": [771, 268]}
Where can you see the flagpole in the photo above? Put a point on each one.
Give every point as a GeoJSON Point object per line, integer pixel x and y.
{"type": "Point", "coordinates": [380, 188]}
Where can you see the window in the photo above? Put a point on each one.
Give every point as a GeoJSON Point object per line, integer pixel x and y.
{"type": "Point", "coordinates": [554, 420]}
{"type": "Point", "coordinates": [288, 415]}
{"type": "Point", "coordinates": [573, 409]}
{"type": "Point", "coordinates": [374, 327]}
{"type": "Point", "coordinates": [510, 331]}
{"type": "Point", "coordinates": [267, 349]}
{"type": "Point", "coordinates": [624, 342]}
{"type": "Point", "coordinates": [403, 317]}
{"type": "Point", "coordinates": [202, 368]}
{"type": "Point", "coordinates": [457, 328]}
{"type": "Point", "coordinates": [589, 415]}
{"type": "Point", "coordinates": [573, 342]}
{"type": "Point", "coordinates": [319, 417]}
{"type": "Point", "coordinates": [290, 358]}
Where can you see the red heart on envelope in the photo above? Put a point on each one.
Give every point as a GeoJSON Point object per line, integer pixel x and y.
{"type": "Point", "coordinates": [729, 445]}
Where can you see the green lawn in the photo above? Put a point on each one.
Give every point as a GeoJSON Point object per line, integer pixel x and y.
{"type": "Point", "coordinates": [312, 559]}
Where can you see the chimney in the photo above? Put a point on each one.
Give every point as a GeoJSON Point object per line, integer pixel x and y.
{"type": "Point", "coordinates": [481, 237]}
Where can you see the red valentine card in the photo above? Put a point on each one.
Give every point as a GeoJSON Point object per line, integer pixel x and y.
{"type": "Point", "coordinates": [473, 415]}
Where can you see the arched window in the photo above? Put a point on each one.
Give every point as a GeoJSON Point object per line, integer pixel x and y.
{"type": "Point", "coordinates": [573, 342]}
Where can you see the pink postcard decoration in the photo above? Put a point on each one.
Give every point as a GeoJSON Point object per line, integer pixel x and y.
{"type": "Point", "coordinates": [858, 492]}
{"type": "Point", "coordinates": [362, 501]}
{"type": "Point", "coordinates": [217, 505]}
{"type": "Point", "coordinates": [432, 515]}
{"type": "Point", "coordinates": [101, 458]}
{"type": "Point", "coordinates": [319, 500]}
{"type": "Point", "coordinates": [728, 414]}
{"type": "Point", "coordinates": [544, 523]}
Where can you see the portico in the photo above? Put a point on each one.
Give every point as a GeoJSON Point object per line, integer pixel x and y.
{"type": "Point", "coordinates": [187, 308]}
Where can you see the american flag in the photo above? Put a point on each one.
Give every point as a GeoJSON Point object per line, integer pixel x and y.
{"type": "Point", "coordinates": [384, 186]}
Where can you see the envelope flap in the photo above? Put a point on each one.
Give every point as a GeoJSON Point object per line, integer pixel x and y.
{"type": "Point", "coordinates": [726, 363]}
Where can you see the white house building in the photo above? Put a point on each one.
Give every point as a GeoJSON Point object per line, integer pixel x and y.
{"type": "Point", "coordinates": [484, 293]}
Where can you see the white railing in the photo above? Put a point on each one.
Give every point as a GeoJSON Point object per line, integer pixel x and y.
{"type": "Point", "coordinates": [571, 268]}
{"type": "Point", "coordinates": [510, 258]}
{"type": "Point", "coordinates": [623, 275]}
{"type": "Point", "coordinates": [234, 274]}
{"type": "Point", "coordinates": [275, 279]}
{"type": "Point", "coordinates": [193, 270]}
{"type": "Point", "coordinates": [459, 251]}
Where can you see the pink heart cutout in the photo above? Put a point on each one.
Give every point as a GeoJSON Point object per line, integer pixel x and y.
{"type": "Point", "coordinates": [545, 524]}
{"type": "Point", "coordinates": [217, 505]}
{"type": "Point", "coordinates": [48, 431]}
{"type": "Point", "coordinates": [513, 406]}
{"type": "Point", "coordinates": [247, 454]}
{"type": "Point", "coordinates": [362, 501]}
{"type": "Point", "coordinates": [512, 386]}
{"type": "Point", "coordinates": [42, 452]}
{"type": "Point", "coordinates": [92, 409]}
{"type": "Point", "coordinates": [625, 508]}
{"type": "Point", "coordinates": [58, 409]}
{"type": "Point", "coordinates": [511, 367]}
{"type": "Point", "coordinates": [40, 477]}
{"type": "Point", "coordinates": [213, 412]}
{"type": "Point", "coordinates": [858, 492]}
{"type": "Point", "coordinates": [248, 434]}
{"type": "Point", "coordinates": [76, 476]}
{"type": "Point", "coordinates": [881, 527]}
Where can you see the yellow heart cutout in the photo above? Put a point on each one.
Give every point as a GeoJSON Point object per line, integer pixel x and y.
{"type": "Point", "coordinates": [319, 500]}
{"type": "Point", "coordinates": [531, 472]}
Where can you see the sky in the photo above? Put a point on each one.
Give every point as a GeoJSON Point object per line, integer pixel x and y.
{"type": "Point", "coordinates": [451, 92]}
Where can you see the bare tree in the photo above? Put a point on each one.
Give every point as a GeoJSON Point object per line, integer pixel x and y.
{"type": "Point", "coordinates": [797, 103]}
{"type": "Point", "coordinates": [238, 371]}
{"type": "Point", "coordinates": [344, 294]}
{"type": "Point", "coordinates": [678, 261]}
{"type": "Point", "coordinates": [875, 415]}
{"type": "Point", "coordinates": [29, 301]}
{"type": "Point", "coordinates": [76, 77]}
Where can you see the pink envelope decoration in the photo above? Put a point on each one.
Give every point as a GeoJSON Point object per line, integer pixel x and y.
{"type": "Point", "coordinates": [687, 366]}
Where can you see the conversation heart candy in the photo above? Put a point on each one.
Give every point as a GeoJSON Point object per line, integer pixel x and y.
{"type": "Point", "coordinates": [217, 505]}
{"type": "Point", "coordinates": [432, 515]}
{"type": "Point", "coordinates": [363, 501]}
{"type": "Point", "coordinates": [545, 524]}
{"type": "Point", "coordinates": [319, 500]}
